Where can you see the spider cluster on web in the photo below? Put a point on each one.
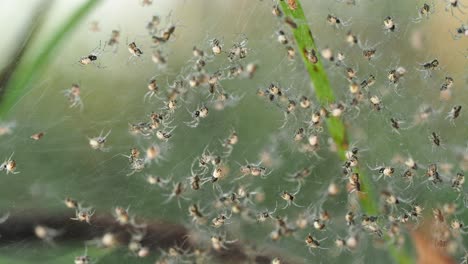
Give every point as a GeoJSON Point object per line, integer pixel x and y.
{"type": "Point", "coordinates": [309, 219]}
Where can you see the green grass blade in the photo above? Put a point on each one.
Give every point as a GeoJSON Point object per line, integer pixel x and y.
{"type": "Point", "coordinates": [24, 42]}
{"type": "Point", "coordinates": [324, 94]}
{"type": "Point", "coordinates": [27, 73]}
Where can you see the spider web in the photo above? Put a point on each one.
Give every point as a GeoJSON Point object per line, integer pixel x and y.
{"type": "Point", "coordinates": [62, 164]}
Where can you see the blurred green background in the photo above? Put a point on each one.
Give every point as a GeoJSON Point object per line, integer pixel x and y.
{"type": "Point", "coordinates": [62, 163]}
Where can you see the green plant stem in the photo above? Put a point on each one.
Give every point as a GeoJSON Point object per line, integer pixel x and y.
{"type": "Point", "coordinates": [20, 82]}
{"type": "Point", "coordinates": [324, 94]}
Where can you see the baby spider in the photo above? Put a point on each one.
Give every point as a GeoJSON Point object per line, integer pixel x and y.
{"type": "Point", "coordinates": [396, 124]}
{"type": "Point", "coordinates": [290, 110]}
{"type": "Point", "coordinates": [389, 24]}
{"type": "Point", "coordinates": [73, 96]}
{"type": "Point", "coordinates": [137, 165]}
{"type": "Point", "coordinates": [195, 182]}
{"type": "Point", "coordinates": [281, 37]}
{"type": "Point", "coordinates": [218, 242]}
{"type": "Point", "coordinates": [458, 181]}
{"type": "Point", "coordinates": [384, 171]}
{"type": "Point", "coordinates": [154, 153]}
{"type": "Point", "coordinates": [433, 174]}
{"type": "Point", "coordinates": [254, 170]}
{"type": "Point", "coordinates": [98, 142]}
{"type": "Point", "coordinates": [376, 103]}
{"type": "Point", "coordinates": [460, 32]}
{"type": "Point", "coordinates": [142, 128]}
{"type": "Point", "coordinates": [220, 220]}
{"type": "Point", "coordinates": [334, 21]}
{"type": "Point", "coordinates": [197, 53]}
{"type": "Point", "coordinates": [274, 90]}
{"type": "Point", "coordinates": [134, 50]}
{"type": "Point", "coordinates": [170, 106]}
{"type": "Point", "coordinates": [392, 200]}
{"type": "Point", "coordinates": [290, 197]}
{"type": "Point", "coordinates": [156, 180]}
{"type": "Point", "coordinates": [197, 215]}
{"type": "Point", "coordinates": [216, 46]}
{"type": "Point", "coordinates": [299, 176]}
{"type": "Point", "coordinates": [114, 39]}
{"type": "Point", "coordinates": [265, 215]}
{"type": "Point", "coordinates": [351, 39]}
{"type": "Point", "coordinates": [366, 83]}
{"type": "Point", "coordinates": [340, 58]}
{"type": "Point", "coordinates": [46, 234]}
{"type": "Point", "coordinates": [454, 112]}
{"type": "Point", "coordinates": [408, 176]}
{"type": "Point", "coordinates": [37, 136]}
{"type": "Point", "coordinates": [83, 214]}
{"type": "Point", "coordinates": [337, 109]}
{"type": "Point", "coordinates": [394, 75]}
{"type": "Point", "coordinates": [319, 224]}
{"type": "Point", "coordinates": [452, 4]}
{"type": "Point", "coordinates": [158, 58]}
{"type": "Point", "coordinates": [229, 143]}
{"type": "Point", "coordinates": [158, 119]}
{"type": "Point", "coordinates": [354, 183]}
{"type": "Point", "coordinates": [435, 139]}
{"type": "Point", "coordinates": [200, 112]}
{"type": "Point", "coordinates": [411, 164]}
{"type": "Point", "coordinates": [276, 11]}
{"type": "Point", "coordinates": [71, 203]}
{"type": "Point", "coordinates": [351, 153]}
{"type": "Point", "coordinates": [164, 135]}
{"type": "Point", "coordinates": [204, 160]}
{"type": "Point", "coordinates": [311, 55]}
{"type": "Point", "coordinates": [315, 121]}
{"type": "Point", "coordinates": [93, 56]}
{"type": "Point", "coordinates": [94, 26]}
{"type": "Point", "coordinates": [291, 52]}
{"type": "Point", "coordinates": [251, 69]}
{"type": "Point", "coordinates": [292, 4]}
{"type": "Point", "coordinates": [153, 24]}
{"type": "Point", "coordinates": [177, 191]}
{"type": "Point", "coordinates": [424, 12]}
{"type": "Point", "coordinates": [121, 215]}
{"type": "Point", "coordinates": [448, 83]}
{"type": "Point", "coordinates": [428, 67]}
{"type": "Point", "coordinates": [238, 50]}
{"type": "Point", "coordinates": [458, 226]}
{"type": "Point", "coordinates": [168, 32]}
{"type": "Point", "coordinates": [9, 165]}
{"type": "Point", "coordinates": [349, 218]}
{"type": "Point", "coordinates": [305, 102]}
{"type": "Point", "coordinates": [83, 259]}
{"type": "Point", "coordinates": [313, 243]}
{"type": "Point", "coordinates": [6, 128]}
{"type": "Point", "coordinates": [290, 22]}
{"type": "Point", "coordinates": [219, 172]}
{"type": "Point", "coordinates": [369, 223]}
{"type": "Point", "coordinates": [416, 211]}
{"type": "Point", "coordinates": [327, 54]}
{"type": "Point", "coordinates": [153, 88]}
{"type": "Point", "coordinates": [369, 52]}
